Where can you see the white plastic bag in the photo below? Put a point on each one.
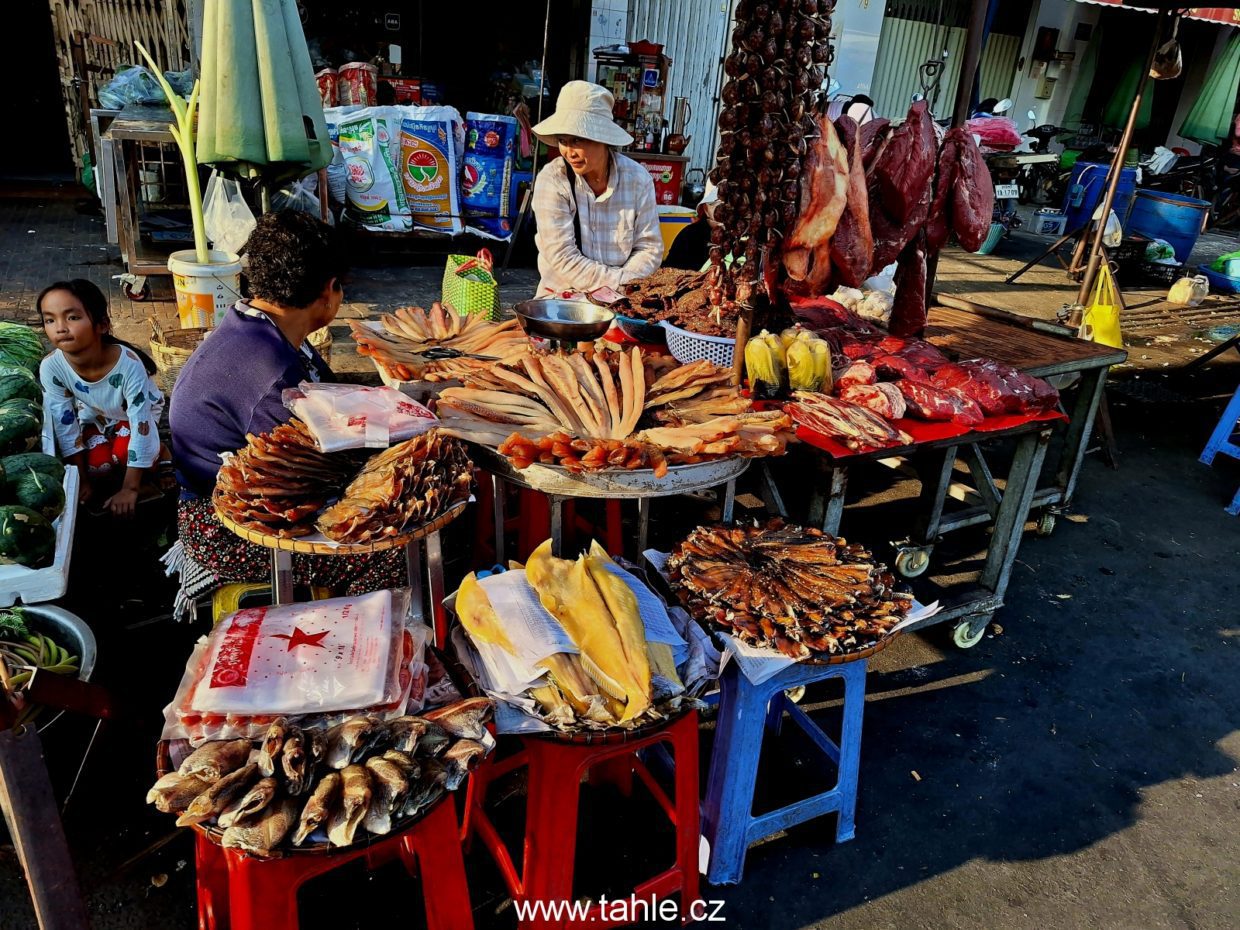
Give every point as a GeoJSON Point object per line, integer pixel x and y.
{"type": "Point", "coordinates": [349, 416]}
{"type": "Point", "coordinates": [1189, 292]}
{"type": "Point", "coordinates": [1114, 233]}
{"type": "Point", "coordinates": [227, 216]}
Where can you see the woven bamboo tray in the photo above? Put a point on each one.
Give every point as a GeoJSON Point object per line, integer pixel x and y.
{"type": "Point", "coordinates": [321, 339]}
{"type": "Point", "coordinates": [319, 545]}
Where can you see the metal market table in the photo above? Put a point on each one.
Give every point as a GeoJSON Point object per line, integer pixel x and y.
{"type": "Point", "coordinates": [964, 329]}
{"type": "Point", "coordinates": [426, 536]}
{"type": "Point", "coordinates": [560, 485]}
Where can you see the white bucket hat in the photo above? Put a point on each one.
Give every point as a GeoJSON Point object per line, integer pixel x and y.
{"type": "Point", "coordinates": [583, 110]}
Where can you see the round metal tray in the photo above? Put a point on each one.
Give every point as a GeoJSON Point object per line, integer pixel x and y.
{"type": "Point", "coordinates": [318, 544]}
{"type": "Point", "coordinates": [611, 482]}
{"type": "Point", "coordinates": [69, 631]}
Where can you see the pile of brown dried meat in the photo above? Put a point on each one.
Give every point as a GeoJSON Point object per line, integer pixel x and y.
{"type": "Point", "coordinates": [786, 587]}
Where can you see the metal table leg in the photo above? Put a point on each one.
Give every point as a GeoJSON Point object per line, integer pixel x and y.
{"type": "Point", "coordinates": [413, 569]}
{"type": "Point", "coordinates": [643, 524]}
{"type": "Point", "coordinates": [438, 590]}
{"type": "Point", "coordinates": [497, 504]}
{"type": "Point", "coordinates": [1013, 511]}
{"type": "Point", "coordinates": [934, 492]}
{"type": "Point", "coordinates": [826, 506]}
{"type": "Point", "coordinates": [557, 524]}
{"type": "Point", "coordinates": [281, 576]}
{"type": "Point", "coordinates": [1076, 440]}
{"type": "Point", "coordinates": [728, 504]}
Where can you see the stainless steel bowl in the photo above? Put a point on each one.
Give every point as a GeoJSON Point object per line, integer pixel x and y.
{"type": "Point", "coordinates": [69, 631]}
{"type": "Point", "coordinates": [565, 320]}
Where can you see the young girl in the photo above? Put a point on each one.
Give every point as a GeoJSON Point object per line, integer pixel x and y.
{"type": "Point", "coordinates": [98, 394]}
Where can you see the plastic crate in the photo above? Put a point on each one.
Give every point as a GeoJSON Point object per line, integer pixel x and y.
{"type": "Point", "coordinates": [1166, 275]}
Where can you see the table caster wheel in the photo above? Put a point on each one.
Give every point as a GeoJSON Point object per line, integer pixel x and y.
{"type": "Point", "coordinates": [912, 561]}
{"type": "Point", "coordinates": [969, 632]}
{"type": "Point", "coordinates": [1046, 524]}
{"type": "Point", "coordinates": [136, 292]}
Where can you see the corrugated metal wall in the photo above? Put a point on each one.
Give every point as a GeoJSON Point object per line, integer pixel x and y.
{"type": "Point", "coordinates": [905, 44]}
{"type": "Point", "coordinates": [693, 34]}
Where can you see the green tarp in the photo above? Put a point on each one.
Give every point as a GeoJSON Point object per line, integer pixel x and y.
{"type": "Point", "coordinates": [1119, 106]}
{"type": "Point", "coordinates": [260, 111]}
{"type": "Point", "coordinates": [1209, 121]}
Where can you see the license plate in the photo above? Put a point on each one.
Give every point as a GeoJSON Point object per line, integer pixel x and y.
{"type": "Point", "coordinates": [1006, 191]}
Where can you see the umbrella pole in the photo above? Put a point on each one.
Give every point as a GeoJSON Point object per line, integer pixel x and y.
{"type": "Point", "coordinates": [264, 196]}
{"type": "Point", "coordinates": [1117, 166]}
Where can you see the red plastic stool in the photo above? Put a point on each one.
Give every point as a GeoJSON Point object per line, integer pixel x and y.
{"type": "Point", "coordinates": [556, 769]}
{"type": "Point", "coordinates": [533, 524]}
{"type": "Point", "coordinates": [238, 892]}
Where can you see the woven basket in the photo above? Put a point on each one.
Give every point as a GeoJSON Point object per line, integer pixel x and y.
{"type": "Point", "coordinates": [170, 350]}
{"type": "Point", "coordinates": [321, 339]}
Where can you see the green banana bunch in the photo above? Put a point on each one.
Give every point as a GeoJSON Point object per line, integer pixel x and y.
{"type": "Point", "coordinates": [20, 657]}
{"type": "Point", "coordinates": [764, 363]}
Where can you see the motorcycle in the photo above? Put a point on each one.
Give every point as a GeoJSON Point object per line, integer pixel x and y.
{"type": "Point", "coordinates": [1041, 180]}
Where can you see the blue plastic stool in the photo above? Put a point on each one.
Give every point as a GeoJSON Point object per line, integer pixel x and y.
{"type": "Point", "coordinates": [1220, 441]}
{"type": "Point", "coordinates": [745, 709]}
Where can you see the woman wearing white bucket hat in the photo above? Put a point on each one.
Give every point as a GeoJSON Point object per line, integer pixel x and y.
{"type": "Point", "coordinates": [598, 224]}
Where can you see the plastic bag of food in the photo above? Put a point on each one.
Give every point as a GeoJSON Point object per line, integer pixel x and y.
{"type": "Point", "coordinates": [490, 153]}
{"type": "Point", "coordinates": [132, 84]}
{"type": "Point", "coordinates": [1161, 251]}
{"type": "Point", "coordinates": [376, 197]}
{"type": "Point", "coordinates": [429, 160]}
{"type": "Point", "coordinates": [349, 416]}
{"type": "Point", "coordinates": [1189, 292]}
{"type": "Point", "coordinates": [228, 218]}
{"type": "Point", "coordinates": [330, 658]}
{"type": "Point", "coordinates": [301, 195]}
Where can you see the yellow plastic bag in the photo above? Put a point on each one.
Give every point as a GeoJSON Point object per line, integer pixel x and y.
{"type": "Point", "coordinates": [1100, 322]}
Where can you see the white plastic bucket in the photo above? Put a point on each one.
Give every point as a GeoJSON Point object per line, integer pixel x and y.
{"type": "Point", "coordinates": [204, 292]}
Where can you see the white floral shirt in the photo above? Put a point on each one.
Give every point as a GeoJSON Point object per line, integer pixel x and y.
{"type": "Point", "coordinates": [126, 394]}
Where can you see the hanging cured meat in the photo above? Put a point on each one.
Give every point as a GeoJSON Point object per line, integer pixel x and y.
{"type": "Point", "coordinates": [852, 246]}
{"type": "Point", "coordinates": [973, 193]}
{"type": "Point", "coordinates": [823, 197]}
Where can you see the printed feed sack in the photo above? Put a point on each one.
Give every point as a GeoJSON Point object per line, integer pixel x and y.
{"type": "Point", "coordinates": [430, 162]}
{"type": "Point", "coordinates": [369, 145]}
{"type": "Point", "coordinates": [490, 152]}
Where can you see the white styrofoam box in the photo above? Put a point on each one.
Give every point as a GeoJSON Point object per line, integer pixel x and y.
{"type": "Point", "coordinates": [36, 585]}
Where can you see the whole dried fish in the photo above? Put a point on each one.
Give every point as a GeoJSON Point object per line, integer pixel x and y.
{"type": "Point", "coordinates": [261, 834]}
{"type": "Point", "coordinates": [347, 741]}
{"type": "Point", "coordinates": [273, 741]}
{"type": "Point", "coordinates": [294, 763]}
{"type": "Point", "coordinates": [355, 798]}
{"type": "Point", "coordinates": [218, 796]}
{"type": "Point", "coordinates": [173, 793]}
{"type": "Point", "coordinates": [316, 745]}
{"type": "Point", "coordinates": [462, 759]}
{"type": "Point", "coordinates": [464, 719]}
{"type": "Point", "coordinates": [250, 803]}
{"type": "Point", "coordinates": [404, 732]}
{"type": "Point", "coordinates": [434, 740]}
{"type": "Point", "coordinates": [422, 796]}
{"type": "Point", "coordinates": [407, 764]}
{"type": "Point", "coordinates": [323, 800]}
{"type": "Point", "coordinates": [389, 788]}
{"type": "Point", "coordinates": [212, 761]}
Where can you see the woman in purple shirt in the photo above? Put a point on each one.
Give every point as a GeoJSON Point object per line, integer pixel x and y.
{"type": "Point", "coordinates": [231, 386]}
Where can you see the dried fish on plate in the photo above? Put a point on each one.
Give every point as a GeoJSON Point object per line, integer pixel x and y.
{"type": "Point", "coordinates": [405, 486]}
{"type": "Point", "coordinates": [409, 332]}
{"type": "Point", "coordinates": [262, 834]}
{"type": "Point", "coordinates": [790, 588]}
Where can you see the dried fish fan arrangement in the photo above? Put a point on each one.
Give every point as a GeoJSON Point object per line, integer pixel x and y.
{"type": "Point", "coordinates": [797, 590]}
{"type": "Point", "coordinates": [295, 784]}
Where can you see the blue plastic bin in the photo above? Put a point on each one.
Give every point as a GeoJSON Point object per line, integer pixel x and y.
{"type": "Point", "coordinates": [1092, 177]}
{"type": "Point", "coordinates": [1172, 217]}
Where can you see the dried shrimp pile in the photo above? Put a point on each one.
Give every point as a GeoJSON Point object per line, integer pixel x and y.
{"type": "Point", "coordinates": [405, 486]}
{"type": "Point", "coordinates": [411, 331]}
{"type": "Point", "coordinates": [585, 414]}
{"type": "Point", "coordinates": [793, 589]}
{"type": "Point", "coordinates": [280, 484]}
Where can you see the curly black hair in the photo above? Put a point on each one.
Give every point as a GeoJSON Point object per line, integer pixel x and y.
{"type": "Point", "coordinates": [290, 256]}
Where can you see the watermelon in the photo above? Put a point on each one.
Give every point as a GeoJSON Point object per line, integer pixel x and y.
{"type": "Point", "coordinates": [21, 346]}
{"type": "Point", "coordinates": [36, 491]}
{"type": "Point", "coordinates": [21, 421]}
{"type": "Point", "coordinates": [18, 382]}
{"type": "Point", "coordinates": [44, 464]}
{"type": "Point", "coordinates": [26, 537]}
